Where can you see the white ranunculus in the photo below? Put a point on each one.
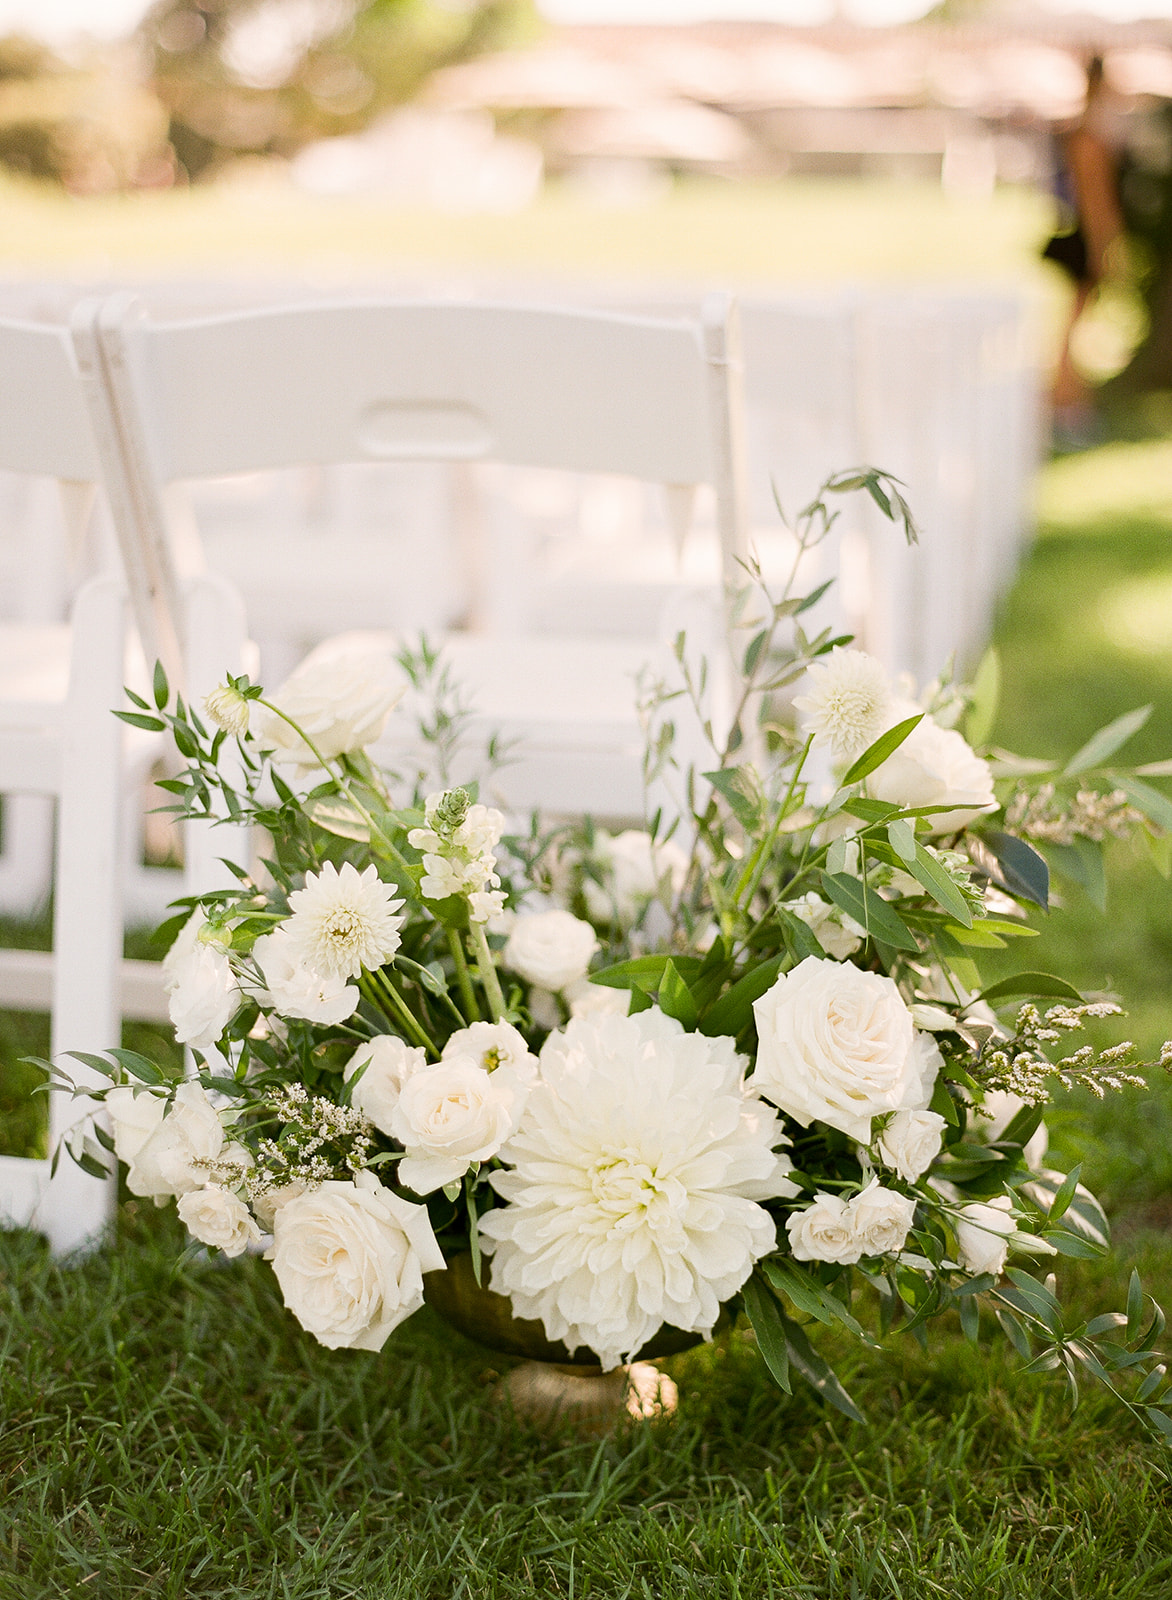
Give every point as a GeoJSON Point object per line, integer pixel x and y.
{"type": "Point", "coordinates": [983, 1231]}
{"type": "Point", "coordinates": [492, 1045]}
{"type": "Point", "coordinates": [824, 1231]}
{"type": "Point", "coordinates": [997, 1111]}
{"type": "Point", "coordinates": [635, 1175]}
{"type": "Point", "coordinates": [550, 948]}
{"type": "Point", "coordinates": [837, 1045]}
{"type": "Point", "coordinates": [178, 1155]}
{"type": "Point", "coordinates": [217, 1217]}
{"type": "Point", "coordinates": [838, 934]}
{"type": "Point", "coordinates": [934, 767]}
{"type": "Point", "coordinates": [350, 1259]}
{"type": "Point", "coordinates": [847, 702]}
{"type": "Point", "coordinates": [881, 1219]}
{"type": "Point", "coordinates": [202, 995]}
{"type": "Point", "coordinates": [452, 1115]}
{"type": "Point", "coordinates": [633, 867]}
{"type": "Point", "coordinates": [389, 1063]}
{"type": "Point", "coordinates": [340, 698]}
{"type": "Point", "coordinates": [133, 1118]}
{"type": "Point", "coordinates": [294, 989]}
{"type": "Point", "coordinates": [911, 1142]}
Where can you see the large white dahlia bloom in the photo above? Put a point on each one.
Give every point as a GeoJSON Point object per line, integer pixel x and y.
{"type": "Point", "coordinates": [635, 1175]}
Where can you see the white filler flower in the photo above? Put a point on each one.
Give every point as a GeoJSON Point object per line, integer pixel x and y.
{"type": "Point", "coordinates": [344, 921]}
{"type": "Point", "coordinates": [350, 1259]}
{"type": "Point", "coordinates": [549, 948]}
{"type": "Point", "coordinates": [847, 703]}
{"type": "Point", "coordinates": [636, 1170]}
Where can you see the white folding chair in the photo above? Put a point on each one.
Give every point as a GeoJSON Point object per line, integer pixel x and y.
{"type": "Point", "coordinates": [383, 381]}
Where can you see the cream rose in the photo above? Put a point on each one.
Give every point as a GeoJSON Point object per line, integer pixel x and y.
{"type": "Point", "coordinates": [340, 696]}
{"type": "Point", "coordinates": [551, 949]}
{"type": "Point", "coordinates": [824, 1231]}
{"type": "Point", "coordinates": [449, 1116]}
{"type": "Point", "coordinates": [881, 1219]}
{"type": "Point", "coordinates": [350, 1259]}
{"type": "Point", "coordinates": [911, 1142]}
{"type": "Point", "coordinates": [202, 995]}
{"type": "Point", "coordinates": [934, 766]}
{"type": "Point", "coordinates": [837, 1045]}
{"type": "Point", "coordinates": [983, 1232]}
{"type": "Point", "coordinates": [217, 1217]}
{"type": "Point", "coordinates": [178, 1155]}
{"type": "Point", "coordinates": [389, 1063]}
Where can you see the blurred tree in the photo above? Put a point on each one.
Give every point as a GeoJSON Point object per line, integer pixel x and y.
{"type": "Point", "coordinates": [1145, 186]}
{"type": "Point", "coordinates": [267, 76]}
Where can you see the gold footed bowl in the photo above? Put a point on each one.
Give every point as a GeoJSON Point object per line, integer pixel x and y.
{"type": "Point", "coordinates": [552, 1387]}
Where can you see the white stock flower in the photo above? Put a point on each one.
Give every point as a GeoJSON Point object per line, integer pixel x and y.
{"type": "Point", "coordinates": [934, 766]}
{"type": "Point", "coordinates": [983, 1231]}
{"type": "Point", "coordinates": [838, 934]}
{"type": "Point", "coordinates": [217, 1217]}
{"type": "Point", "coordinates": [340, 696]}
{"type": "Point", "coordinates": [228, 709]}
{"type": "Point", "coordinates": [350, 1259]}
{"type": "Point", "coordinates": [296, 990]}
{"type": "Point", "coordinates": [911, 1142]}
{"type": "Point", "coordinates": [847, 703]}
{"type": "Point", "coordinates": [344, 921]}
{"type": "Point", "coordinates": [873, 1222]}
{"type": "Point", "coordinates": [549, 948]}
{"type": "Point", "coordinates": [177, 1156]}
{"type": "Point", "coordinates": [633, 867]}
{"type": "Point", "coordinates": [452, 1115]}
{"type": "Point", "coordinates": [837, 1045]}
{"type": "Point", "coordinates": [458, 852]}
{"type": "Point", "coordinates": [389, 1063]}
{"type": "Point", "coordinates": [202, 994]}
{"type": "Point", "coordinates": [634, 1181]}
{"type": "Point", "coordinates": [133, 1118]}
{"type": "Point", "coordinates": [492, 1045]}
{"type": "Point", "coordinates": [990, 1121]}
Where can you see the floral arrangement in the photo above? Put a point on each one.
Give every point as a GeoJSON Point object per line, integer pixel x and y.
{"type": "Point", "coordinates": [739, 1060]}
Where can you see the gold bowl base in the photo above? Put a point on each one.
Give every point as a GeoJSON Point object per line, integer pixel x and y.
{"type": "Point", "coordinates": [587, 1399]}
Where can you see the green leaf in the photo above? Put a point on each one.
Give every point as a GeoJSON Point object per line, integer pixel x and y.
{"type": "Point", "coordinates": [869, 909]}
{"type": "Point", "coordinates": [817, 1372]}
{"type": "Point", "coordinates": [808, 1294]}
{"type": "Point", "coordinates": [137, 720]}
{"type": "Point", "coordinates": [1135, 1304]}
{"type": "Point", "coordinates": [734, 1011]}
{"type": "Point", "coordinates": [1023, 871]}
{"type": "Point", "coordinates": [644, 970]}
{"type": "Point", "coordinates": [1061, 1201]}
{"type": "Point", "coordinates": [1082, 860]}
{"type": "Point", "coordinates": [869, 810]}
{"type": "Point", "coordinates": [1100, 747]}
{"type": "Point", "coordinates": [902, 838]}
{"type": "Point", "coordinates": [986, 693]}
{"type": "Point", "coordinates": [970, 1318]}
{"type": "Point", "coordinates": [876, 754]}
{"type": "Point", "coordinates": [1039, 984]}
{"type": "Point", "coordinates": [765, 1316]}
{"type": "Point", "coordinates": [1072, 1244]}
{"type": "Point", "coordinates": [160, 686]}
{"type": "Point", "coordinates": [798, 935]}
{"type": "Point", "coordinates": [1155, 806]}
{"type": "Point", "coordinates": [741, 787]}
{"type": "Point", "coordinates": [1161, 1422]}
{"type": "Point", "coordinates": [1022, 1127]}
{"type": "Point", "coordinates": [138, 1066]}
{"type": "Point", "coordinates": [927, 870]}
{"type": "Point", "coordinates": [675, 998]}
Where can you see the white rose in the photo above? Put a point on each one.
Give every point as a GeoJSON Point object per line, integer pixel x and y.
{"type": "Point", "coordinates": [266, 1204]}
{"type": "Point", "coordinates": [451, 1115]}
{"type": "Point", "coordinates": [633, 866]}
{"type": "Point", "coordinates": [340, 695]}
{"type": "Point", "coordinates": [296, 990]}
{"type": "Point", "coordinates": [133, 1118]}
{"type": "Point", "coordinates": [999, 1108]}
{"type": "Point", "coordinates": [839, 935]}
{"type": "Point", "coordinates": [587, 999]}
{"type": "Point", "coordinates": [350, 1259]}
{"type": "Point", "coordinates": [389, 1063]}
{"type": "Point", "coordinates": [881, 1219]}
{"type": "Point", "coordinates": [550, 948]}
{"type": "Point", "coordinates": [824, 1231]}
{"type": "Point", "coordinates": [934, 766]}
{"type": "Point", "coordinates": [202, 993]}
{"type": "Point", "coordinates": [176, 1157]}
{"type": "Point", "coordinates": [218, 1218]}
{"type": "Point", "coordinates": [911, 1142]}
{"type": "Point", "coordinates": [837, 1045]}
{"type": "Point", "coordinates": [492, 1045]}
{"type": "Point", "coordinates": [983, 1231]}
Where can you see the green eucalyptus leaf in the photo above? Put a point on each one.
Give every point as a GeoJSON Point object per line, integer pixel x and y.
{"type": "Point", "coordinates": [877, 753]}
{"type": "Point", "coordinates": [1103, 745]}
{"type": "Point", "coordinates": [869, 909]}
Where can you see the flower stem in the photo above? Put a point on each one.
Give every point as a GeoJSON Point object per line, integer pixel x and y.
{"type": "Point", "coordinates": [487, 973]}
{"type": "Point", "coordinates": [463, 977]}
{"type": "Point", "coordinates": [755, 869]}
{"type": "Point", "coordinates": [378, 987]}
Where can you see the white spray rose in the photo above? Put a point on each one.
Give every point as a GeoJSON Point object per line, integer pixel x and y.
{"type": "Point", "coordinates": [341, 698]}
{"type": "Point", "coordinates": [492, 1045]}
{"type": "Point", "coordinates": [633, 866]}
{"type": "Point", "coordinates": [983, 1231]}
{"type": "Point", "coordinates": [202, 995]}
{"type": "Point", "coordinates": [219, 1218]}
{"type": "Point", "coordinates": [176, 1157]}
{"type": "Point", "coordinates": [824, 1231]}
{"type": "Point", "coordinates": [881, 1219]}
{"type": "Point", "coordinates": [133, 1118]}
{"type": "Point", "coordinates": [550, 948]}
{"type": "Point", "coordinates": [838, 934]}
{"type": "Point", "coordinates": [294, 989]}
{"type": "Point", "coordinates": [934, 767]}
{"type": "Point", "coordinates": [911, 1142]}
{"type": "Point", "coordinates": [837, 1045]}
{"type": "Point", "coordinates": [449, 1116]}
{"type": "Point", "coordinates": [389, 1063]}
{"type": "Point", "coordinates": [350, 1259]}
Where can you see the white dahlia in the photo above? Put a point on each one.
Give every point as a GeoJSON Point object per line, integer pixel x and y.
{"type": "Point", "coordinates": [846, 703]}
{"type": "Point", "coordinates": [635, 1175]}
{"type": "Point", "coordinates": [343, 921]}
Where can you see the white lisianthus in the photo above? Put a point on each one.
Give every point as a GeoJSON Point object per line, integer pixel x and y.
{"type": "Point", "coordinates": [133, 1118]}
{"type": "Point", "coordinates": [910, 1143]}
{"type": "Point", "coordinates": [838, 934]}
{"type": "Point", "coordinates": [492, 1045]}
{"type": "Point", "coordinates": [451, 1115]}
{"type": "Point", "coordinates": [228, 709]}
{"type": "Point", "coordinates": [178, 1156]}
{"type": "Point", "coordinates": [934, 766]}
{"type": "Point", "coordinates": [633, 866]}
{"type": "Point", "coordinates": [389, 1062]}
{"type": "Point", "coordinates": [586, 999]}
{"type": "Point", "coordinates": [202, 994]}
{"type": "Point", "coordinates": [350, 1259]}
{"type": "Point", "coordinates": [847, 703]}
{"type": "Point", "coordinates": [634, 1181]}
{"type": "Point", "coordinates": [824, 1232]}
{"type": "Point", "coordinates": [837, 1045]}
{"type": "Point", "coordinates": [344, 921]}
{"type": "Point", "coordinates": [217, 1217]}
{"type": "Point", "coordinates": [881, 1218]}
{"type": "Point", "coordinates": [550, 948]}
{"type": "Point", "coordinates": [341, 698]}
{"type": "Point", "coordinates": [983, 1232]}
{"type": "Point", "coordinates": [997, 1111]}
{"type": "Point", "coordinates": [296, 990]}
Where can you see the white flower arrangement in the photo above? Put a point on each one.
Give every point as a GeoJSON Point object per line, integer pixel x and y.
{"type": "Point", "coordinates": [742, 1061]}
